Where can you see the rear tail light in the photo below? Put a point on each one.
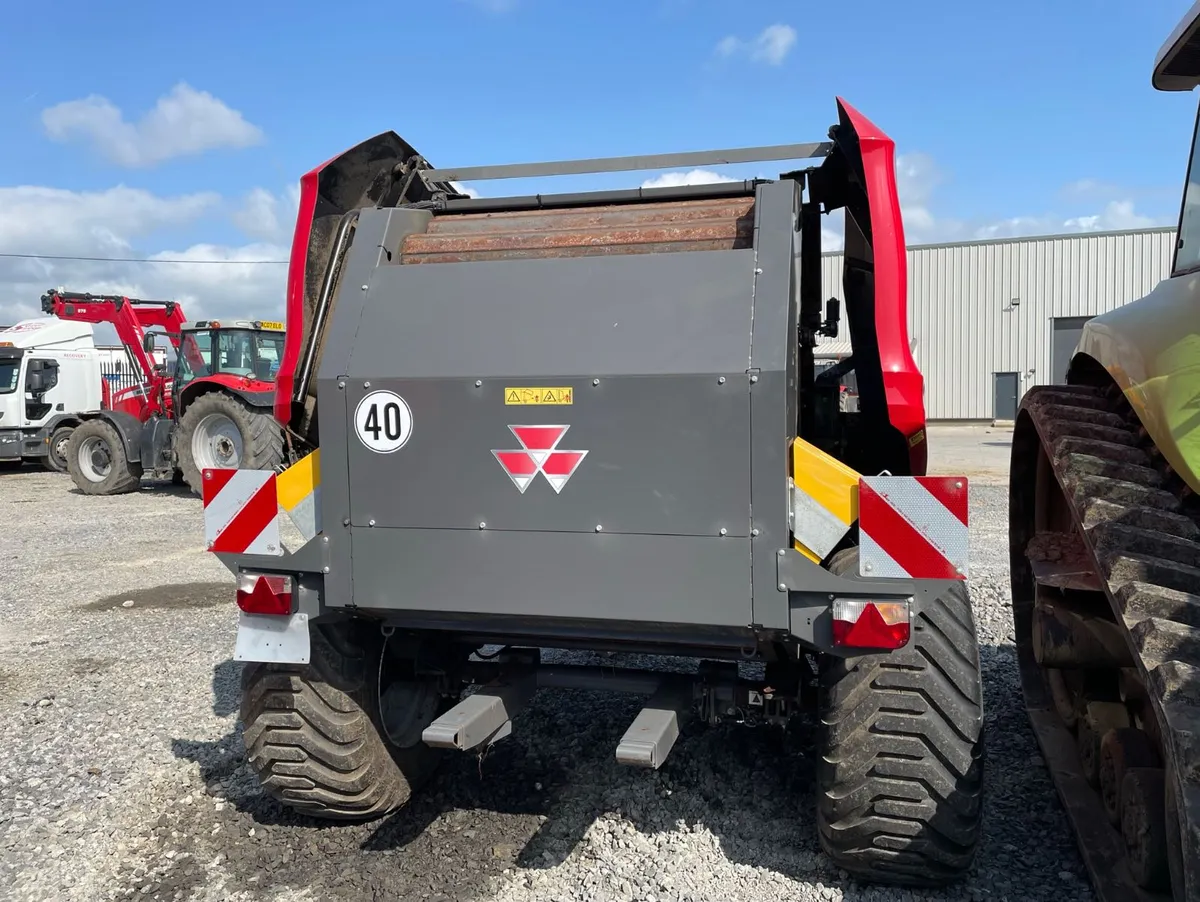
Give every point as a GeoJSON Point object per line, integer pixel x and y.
{"type": "Point", "coordinates": [858, 623]}
{"type": "Point", "coordinates": [260, 593]}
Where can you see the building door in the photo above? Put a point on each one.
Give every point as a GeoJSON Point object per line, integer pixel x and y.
{"type": "Point", "coordinates": [1005, 405]}
{"type": "Point", "coordinates": [1065, 332]}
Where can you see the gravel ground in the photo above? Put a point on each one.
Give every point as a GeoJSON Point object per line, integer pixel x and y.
{"type": "Point", "coordinates": [121, 771]}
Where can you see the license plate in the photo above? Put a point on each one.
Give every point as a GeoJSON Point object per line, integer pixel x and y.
{"type": "Point", "coordinates": [272, 639]}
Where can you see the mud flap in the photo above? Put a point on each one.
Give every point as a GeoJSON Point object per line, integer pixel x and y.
{"type": "Point", "coordinates": [270, 639]}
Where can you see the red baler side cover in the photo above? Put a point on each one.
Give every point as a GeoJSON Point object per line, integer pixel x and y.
{"type": "Point", "coordinates": [902, 381]}
{"type": "Point", "coordinates": [293, 339]}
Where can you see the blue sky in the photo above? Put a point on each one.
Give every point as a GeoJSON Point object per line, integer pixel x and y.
{"type": "Point", "coordinates": [1020, 117]}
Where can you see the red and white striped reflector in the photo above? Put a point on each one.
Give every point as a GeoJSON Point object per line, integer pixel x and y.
{"type": "Point", "coordinates": [858, 623]}
{"type": "Point", "coordinates": [241, 512]}
{"type": "Point", "coordinates": [263, 593]}
{"type": "Point", "coordinates": [913, 527]}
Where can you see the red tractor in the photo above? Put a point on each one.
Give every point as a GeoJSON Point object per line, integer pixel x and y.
{"type": "Point", "coordinates": [214, 410]}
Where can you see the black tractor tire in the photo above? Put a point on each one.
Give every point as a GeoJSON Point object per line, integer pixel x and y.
{"type": "Point", "coordinates": [57, 451]}
{"type": "Point", "coordinates": [900, 756]}
{"type": "Point", "coordinates": [261, 436]}
{"type": "Point", "coordinates": [314, 737]}
{"type": "Point", "coordinates": [98, 436]}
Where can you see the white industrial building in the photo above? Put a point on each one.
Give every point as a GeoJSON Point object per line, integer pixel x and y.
{"type": "Point", "coordinates": [989, 319]}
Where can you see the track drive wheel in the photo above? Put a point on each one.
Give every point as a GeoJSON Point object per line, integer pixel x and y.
{"type": "Point", "coordinates": [900, 750]}
{"type": "Point", "coordinates": [97, 461]}
{"type": "Point", "coordinates": [56, 454]}
{"type": "Point", "coordinates": [221, 431]}
{"type": "Point", "coordinates": [321, 738]}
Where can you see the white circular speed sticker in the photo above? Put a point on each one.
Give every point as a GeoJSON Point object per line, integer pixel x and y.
{"type": "Point", "coordinates": [383, 421]}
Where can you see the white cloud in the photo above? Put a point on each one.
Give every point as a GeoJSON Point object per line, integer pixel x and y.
{"type": "Point", "coordinates": [770, 46]}
{"type": "Point", "coordinates": [465, 189]}
{"type": "Point", "coordinates": [121, 222]}
{"type": "Point", "coordinates": [183, 122]}
{"type": "Point", "coordinates": [692, 177]}
{"type": "Point", "coordinates": [268, 217]}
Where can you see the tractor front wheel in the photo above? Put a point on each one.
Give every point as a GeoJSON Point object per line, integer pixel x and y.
{"type": "Point", "coordinates": [97, 461]}
{"type": "Point", "coordinates": [220, 431]}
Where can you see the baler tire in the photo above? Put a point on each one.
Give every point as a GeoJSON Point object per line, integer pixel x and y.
{"type": "Point", "coordinates": [313, 737]}
{"type": "Point", "coordinates": [261, 436]}
{"type": "Point", "coordinates": [900, 750]}
{"type": "Point", "coordinates": [124, 475]}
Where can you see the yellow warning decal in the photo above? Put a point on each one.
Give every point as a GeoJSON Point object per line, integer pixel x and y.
{"type": "Point", "coordinates": [561, 395]}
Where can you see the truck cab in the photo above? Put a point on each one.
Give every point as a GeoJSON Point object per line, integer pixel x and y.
{"type": "Point", "coordinates": [49, 372]}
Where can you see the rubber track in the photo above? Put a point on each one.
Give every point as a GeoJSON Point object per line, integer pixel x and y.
{"type": "Point", "coordinates": [313, 746]}
{"type": "Point", "coordinates": [1148, 555]}
{"type": "Point", "coordinates": [901, 769]}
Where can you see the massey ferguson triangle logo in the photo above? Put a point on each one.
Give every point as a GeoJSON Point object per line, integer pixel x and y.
{"type": "Point", "coordinates": [539, 454]}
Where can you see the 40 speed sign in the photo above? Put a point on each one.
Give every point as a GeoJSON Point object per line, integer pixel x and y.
{"type": "Point", "coordinates": [383, 422]}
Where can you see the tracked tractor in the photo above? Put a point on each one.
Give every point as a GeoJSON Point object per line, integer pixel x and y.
{"type": "Point", "coordinates": [213, 410]}
{"type": "Point", "coordinates": [593, 421]}
{"type": "Point", "coordinates": [1105, 562]}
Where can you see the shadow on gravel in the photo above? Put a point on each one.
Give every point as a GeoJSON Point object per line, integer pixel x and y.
{"type": "Point", "coordinates": [156, 486]}
{"type": "Point", "coordinates": [554, 788]}
{"type": "Point", "coordinates": [180, 596]}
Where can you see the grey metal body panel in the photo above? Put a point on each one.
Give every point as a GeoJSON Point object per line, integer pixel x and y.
{"type": "Point", "coordinates": [634, 578]}
{"type": "Point", "coordinates": [665, 455]}
{"type": "Point", "coordinates": [636, 314]}
{"type": "Point", "coordinates": [774, 414]}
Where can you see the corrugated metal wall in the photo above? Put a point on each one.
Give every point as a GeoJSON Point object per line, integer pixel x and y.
{"type": "Point", "coordinates": [961, 317]}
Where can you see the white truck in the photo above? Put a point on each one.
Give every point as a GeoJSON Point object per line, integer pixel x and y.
{"type": "Point", "coordinates": [50, 371]}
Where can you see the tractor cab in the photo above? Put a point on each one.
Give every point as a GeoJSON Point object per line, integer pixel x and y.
{"type": "Point", "coordinates": [248, 350]}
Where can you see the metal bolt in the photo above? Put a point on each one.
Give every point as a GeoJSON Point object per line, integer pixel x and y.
{"type": "Point", "coordinates": [724, 531]}
{"type": "Point", "coordinates": [326, 569]}
{"type": "Point", "coordinates": [478, 383]}
{"type": "Point", "coordinates": [595, 382]}
{"type": "Point", "coordinates": [346, 521]}
{"type": "Point", "coordinates": [325, 540]}
{"type": "Point", "coordinates": [754, 531]}
{"type": "Point", "coordinates": [371, 522]}
{"type": "Point", "coordinates": [482, 525]}
{"type": "Point", "coordinates": [599, 527]}
{"type": "Point", "coordinates": [341, 385]}
{"type": "Point", "coordinates": [208, 474]}
{"type": "Point", "coordinates": [753, 378]}
{"type": "Point", "coordinates": [958, 485]}
{"type": "Point", "coordinates": [365, 287]}
{"type": "Point", "coordinates": [783, 587]}
{"type": "Point", "coordinates": [868, 566]}
{"type": "Point", "coordinates": [782, 552]}
{"type": "Point", "coordinates": [720, 380]}
{"type": "Point", "coordinates": [366, 385]}
{"type": "Point", "coordinates": [758, 270]}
